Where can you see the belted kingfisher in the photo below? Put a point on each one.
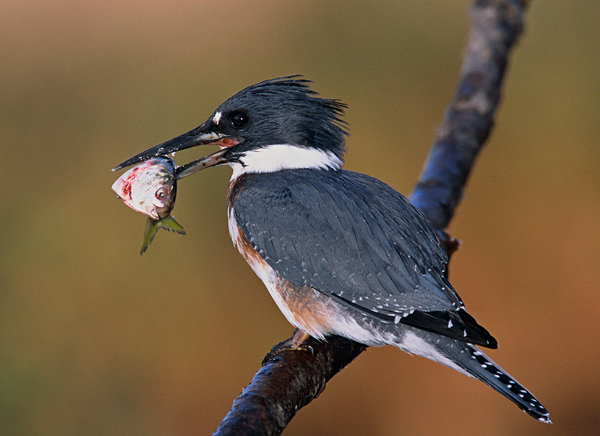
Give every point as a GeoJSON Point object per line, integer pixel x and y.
{"type": "Point", "coordinates": [340, 252]}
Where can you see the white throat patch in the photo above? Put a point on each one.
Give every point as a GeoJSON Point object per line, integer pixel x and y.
{"type": "Point", "coordinates": [284, 157]}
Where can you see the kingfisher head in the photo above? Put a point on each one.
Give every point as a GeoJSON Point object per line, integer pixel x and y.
{"type": "Point", "coordinates": [270, 126]}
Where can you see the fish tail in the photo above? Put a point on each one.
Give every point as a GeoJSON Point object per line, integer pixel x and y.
{"type": "Point", "coordinates": [169, 223]}
{"type": "Point", "coordinates": [152, 226]}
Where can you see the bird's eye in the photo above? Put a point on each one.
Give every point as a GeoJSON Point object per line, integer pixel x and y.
{"type": "Point", "coordinates": [239, 119]}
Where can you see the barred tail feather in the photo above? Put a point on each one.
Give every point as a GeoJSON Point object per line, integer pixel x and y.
{"type": "Point", "coordinates": [468, 359]}
{"type": "Point", "coordinates": [485, 369]}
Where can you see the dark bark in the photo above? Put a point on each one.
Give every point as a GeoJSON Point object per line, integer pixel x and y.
{"type": "Point", "coordinates": [285, 384]}
{"type": "Point", "coordinates": [469, 118]}
{"type": "Point", "coordinates": [294, 378]}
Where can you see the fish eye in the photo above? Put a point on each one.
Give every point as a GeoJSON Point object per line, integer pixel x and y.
{"type": "Point", "coordinates": [161, 194]}
{"type": "Point", "coordinates": [239, 119]}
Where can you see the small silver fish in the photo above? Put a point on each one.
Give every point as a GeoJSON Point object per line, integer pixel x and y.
{"type": "Point", "coordinates": [150, 188]}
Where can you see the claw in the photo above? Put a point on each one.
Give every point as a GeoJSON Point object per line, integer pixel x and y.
{"type": "Point", "coordinates": [294, 343]}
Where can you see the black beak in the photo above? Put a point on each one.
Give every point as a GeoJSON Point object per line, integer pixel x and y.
{"type": "Point", "coordinates": [190, 139]}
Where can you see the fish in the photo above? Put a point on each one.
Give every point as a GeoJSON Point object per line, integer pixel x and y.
{"type": "Point", "coordinates": [150, 188]}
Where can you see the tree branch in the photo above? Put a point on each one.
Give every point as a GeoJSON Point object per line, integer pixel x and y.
{"type": "Point", "coordinates": [293, 379]}
{"type": "Point", "coordinates": [495, 27]}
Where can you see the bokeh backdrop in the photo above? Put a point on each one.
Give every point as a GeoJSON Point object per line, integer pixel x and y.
{"type": "Point", "coordinates": [96, 340]}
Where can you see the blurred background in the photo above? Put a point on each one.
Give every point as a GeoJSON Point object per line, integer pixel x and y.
{"type": "Point", "coordinates": [96, 340]}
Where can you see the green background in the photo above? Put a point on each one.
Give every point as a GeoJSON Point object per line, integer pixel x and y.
{"type": "Point", "coordinates": [96, 340]}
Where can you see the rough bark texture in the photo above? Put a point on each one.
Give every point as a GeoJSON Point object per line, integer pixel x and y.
{"type": "Point", "coordinates": [285, 384]}
{"type": "Point", "coordinates": [469, 118]}
{"type": "Point", "coordinates": [293, 379]}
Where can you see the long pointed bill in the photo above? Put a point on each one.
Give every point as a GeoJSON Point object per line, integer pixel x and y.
{"type": "Point", "coordinates": [200, 164]}
{"type": "Point", "coordinates": [187, 140]}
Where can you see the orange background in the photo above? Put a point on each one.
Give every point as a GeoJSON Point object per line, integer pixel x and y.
{"type": "Point", "coordinates": [95, 340]}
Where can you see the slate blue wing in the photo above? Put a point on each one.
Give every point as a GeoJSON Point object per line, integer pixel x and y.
{"type": "Point", "coordinates": [375, 254]}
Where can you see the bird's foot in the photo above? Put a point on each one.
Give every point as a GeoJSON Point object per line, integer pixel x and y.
{"type": "Point", "coordinates": [292, 344]}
